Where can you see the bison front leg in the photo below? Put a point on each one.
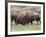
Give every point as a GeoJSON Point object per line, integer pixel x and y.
{"type": "Point", "coordinates": [31, 22]}
{"type": "Point", "coordinates": [16, 23]}
{"type": "Point", "coordinates": [11, 21]}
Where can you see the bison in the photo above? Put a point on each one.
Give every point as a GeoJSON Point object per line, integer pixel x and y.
{"type": "Point", "coordinates": [30, 17]}
{"type": "Point", "coordinates": [19, 18]}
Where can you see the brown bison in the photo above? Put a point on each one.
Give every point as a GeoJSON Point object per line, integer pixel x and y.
{"type": "Point", "coordinates": [30, 17]}
{"type": "Point", "coordinates": [19, 18]}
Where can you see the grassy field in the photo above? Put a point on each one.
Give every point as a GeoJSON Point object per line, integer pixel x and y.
{"type": "Point", "coordinates": [27, 27]}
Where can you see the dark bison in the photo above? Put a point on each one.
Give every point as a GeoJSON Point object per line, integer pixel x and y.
{"type": "Point", "coordinates": [19, 18]}
{"type": "Point", "coordinates": [30, 17]}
